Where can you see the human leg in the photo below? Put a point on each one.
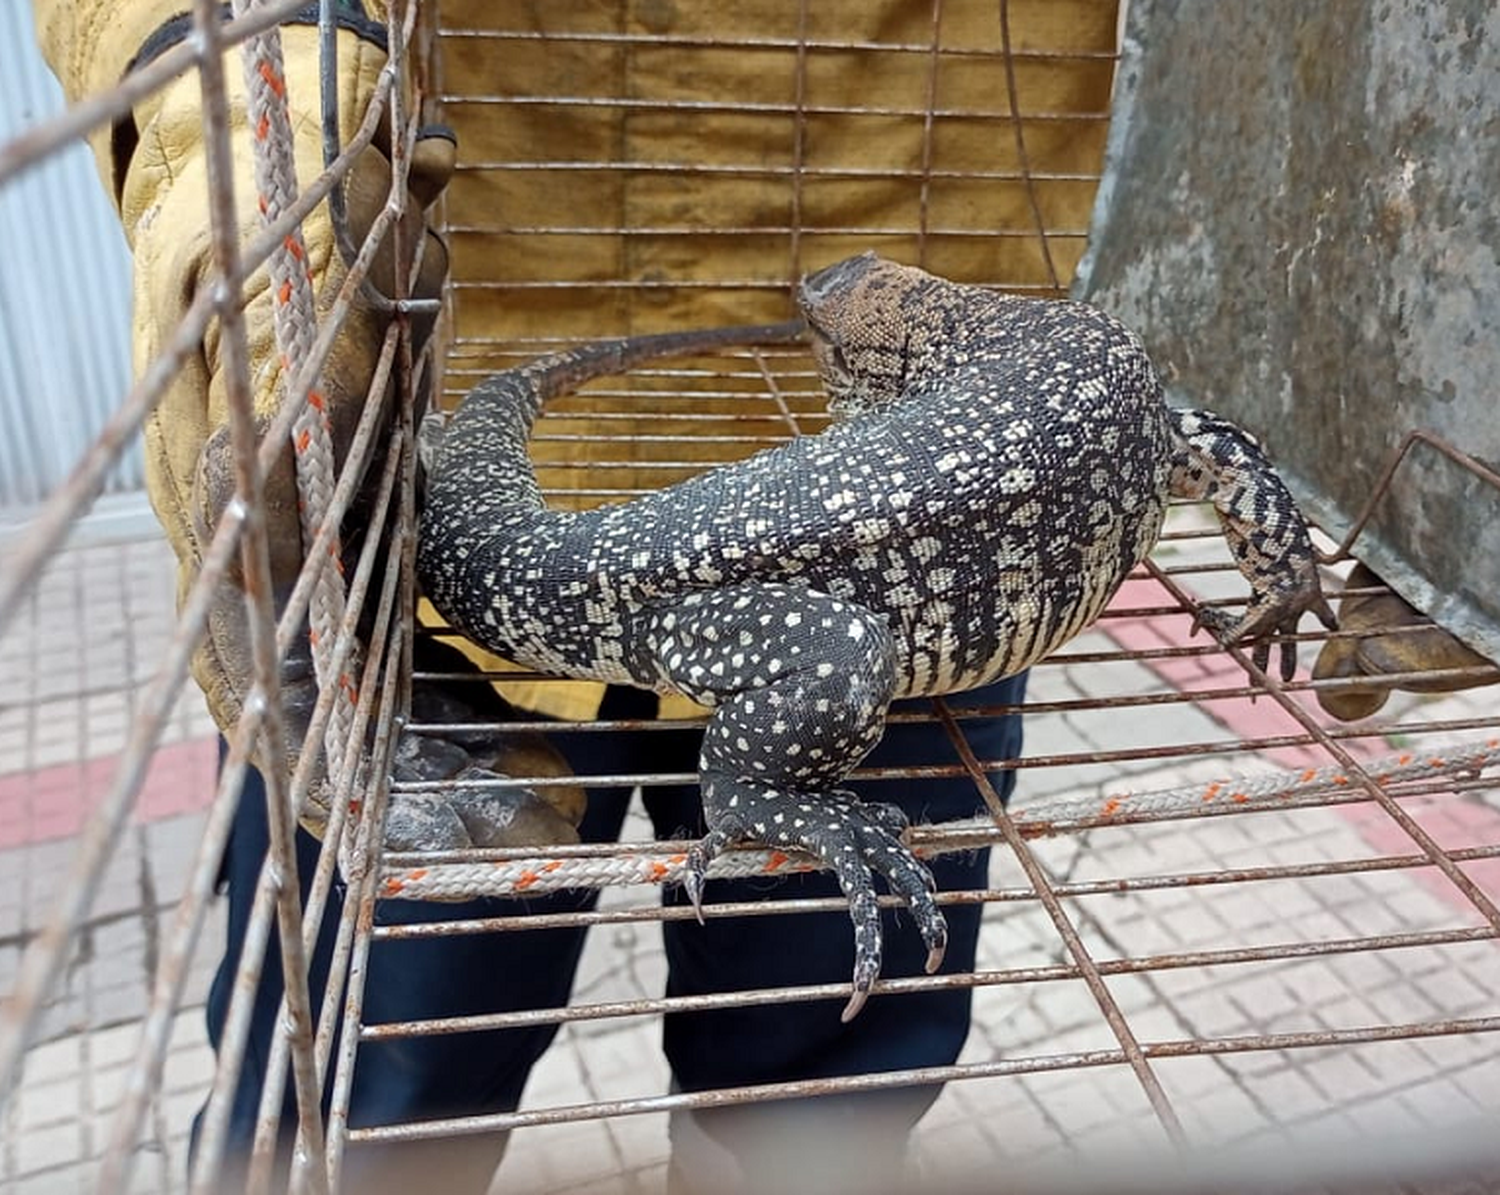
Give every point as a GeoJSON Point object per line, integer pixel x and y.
{"type": "Point", "coordinates": [407, 1079]}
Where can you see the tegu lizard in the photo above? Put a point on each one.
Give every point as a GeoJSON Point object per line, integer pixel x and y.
{"type": "Point", "coordinates": [995, 468]}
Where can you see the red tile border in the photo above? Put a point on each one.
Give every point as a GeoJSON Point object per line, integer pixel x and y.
{"type": "Point", "coordinates": [1453, 822]}
{"type": "Point", "coordinates": [53, 802]}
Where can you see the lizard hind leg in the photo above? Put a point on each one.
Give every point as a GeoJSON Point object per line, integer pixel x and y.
{"type": "Point", "coordinates": [799, 682]}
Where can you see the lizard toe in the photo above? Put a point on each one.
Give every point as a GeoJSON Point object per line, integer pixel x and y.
{"type": "Point", "coordinates": [1268, 620]}
{"type": "Point", "coordinates": [856, 841]}
{"type": "Point", "coordinates": [913, 881]}
{"type": "Point", "coordinates": [889, 817]}
{"type": "Point", "coordinates": [695, 870]}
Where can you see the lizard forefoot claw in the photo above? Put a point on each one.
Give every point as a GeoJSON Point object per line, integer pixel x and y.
{"type": "Point", "coordinates": [1267, 618]}
{"type": "Point", "coordinates": [856, 840]}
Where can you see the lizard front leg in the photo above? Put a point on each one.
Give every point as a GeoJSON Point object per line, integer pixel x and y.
{"type": "Point", "coordinates": [1221, 462]}
{"type": "Point", "coordinates": [799, 683]}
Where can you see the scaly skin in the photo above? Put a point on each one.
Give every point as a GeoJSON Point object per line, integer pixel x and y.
{"type": "Point", "coordinates": [996, 467]}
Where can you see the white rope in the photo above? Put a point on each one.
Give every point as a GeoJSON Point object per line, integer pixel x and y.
{"type": "Point", "coordinates": [296, 329]}
{"type": "Point", "coordinates": [644, 864]}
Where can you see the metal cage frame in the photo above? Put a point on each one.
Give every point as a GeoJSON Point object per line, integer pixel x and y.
{"type": "Point", "coordinates": [722, 408]}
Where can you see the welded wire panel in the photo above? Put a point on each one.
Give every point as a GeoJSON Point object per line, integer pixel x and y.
{"type": "Point", "coordinates": [1210, 922]}
{"type": "Point", "coordinates": [1216, 918]}
{"type": "Point", "coordinates": [791, 123]}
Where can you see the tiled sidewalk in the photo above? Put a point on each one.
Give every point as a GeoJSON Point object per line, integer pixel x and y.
{"type": "Point", "coordinates": [63, 713]}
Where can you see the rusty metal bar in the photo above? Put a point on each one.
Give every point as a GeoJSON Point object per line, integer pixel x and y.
{"type": "Point", "coordinates": [634, 914]}
{"type": "Point", "coordinates": [967, 834]}
{"type": "Point", "coordinates": [1009, 286]}
{"type": "Point", "coordinates": [359, 903]}
{"type": "Point", "coordinates": [766, 43]}
{"type": "Point", "coordinates": [1150, 1051]}
{"type": "Point", "coordinates": [206, 1168]}
{"type": "Point", "coordinates": [354, 936]}
{"type": "Point", "coordinates": [343, 784]}
{"type": "Point", "coordinates": [45, 955]}
{"type": "Point", "coordinates": [645, 104]}
{"type": "Point", "coordinates": [43, 961]}
{"type": "Point", "coordinates": [1220, 747]}
{"type": "Point", "coordinates": [170, 981]}
{"type": "Point", "coordinates": [1016, 120]}
{"type": "Point", "coordinates": [793, 230]}
{"type": "Point", "coordinates": [1059, 706]}
{"type": "Point", "coordinates": [1460, 880]}
{"type": "Point", "coordinates": [770, 170]}
{"type": "Point", "coordinates": [232, 1052]}
{"type": "Point", "coordinates": [255, 563]}
{"type": "Point", "coordinates": [1037, 875]}
{"type": "Point", "coordinates": [977, 979]}
{"type": "Point", "coordinates": [86, 481]}
{"type": "Point", "coordinates": [1387, 475]}
{"type": "Point", "coordinates": [924, 186]}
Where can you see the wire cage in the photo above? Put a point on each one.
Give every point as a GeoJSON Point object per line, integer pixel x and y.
{"type": "Point", "coordinates": [1227, 942]}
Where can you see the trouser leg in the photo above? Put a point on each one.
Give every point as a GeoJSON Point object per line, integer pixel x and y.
{"type": "Point", "coordinates": [416, 1078]}
{"type": "Point", "coordinates": [820, 1143]}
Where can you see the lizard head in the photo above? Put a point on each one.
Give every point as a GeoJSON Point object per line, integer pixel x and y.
{"type": "Point", "coordinates": [857, 311]}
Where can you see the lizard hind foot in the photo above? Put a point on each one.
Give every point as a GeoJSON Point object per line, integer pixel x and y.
{"type": "Point", "coordinates": [857, 841]}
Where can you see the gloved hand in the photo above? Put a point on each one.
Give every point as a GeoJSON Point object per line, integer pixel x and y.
{"type": "Point", "coordinates": [1399, 649]}
{"type": "Point", "coordinates": [154, 166]}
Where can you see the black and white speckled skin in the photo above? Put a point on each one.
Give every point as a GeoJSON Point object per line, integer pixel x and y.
{"type": "Point", "coordinates": [996, 467]}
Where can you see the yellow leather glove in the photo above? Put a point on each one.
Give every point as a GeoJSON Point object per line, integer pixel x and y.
{"type": "Point", "coordinates": [154, 167]}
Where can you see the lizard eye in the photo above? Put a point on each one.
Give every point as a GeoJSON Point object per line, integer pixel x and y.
{"type": "Point", "coordinates": [827, 353]}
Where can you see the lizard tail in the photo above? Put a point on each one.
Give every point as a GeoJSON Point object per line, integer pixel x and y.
{"type": "Point", "coordinates": [482, 460]}
{"type": "Point", "coordinates": [561, 373]}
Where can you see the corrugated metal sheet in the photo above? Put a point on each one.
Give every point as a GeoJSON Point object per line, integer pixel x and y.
{"type": "Point", "coordinates": [64, 293]}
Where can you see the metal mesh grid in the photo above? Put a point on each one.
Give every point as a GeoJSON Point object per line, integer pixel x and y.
{"type": "Point", "coordinates": [1125, 826]}
{"type": "Point", "coordinates": [1178, 968]}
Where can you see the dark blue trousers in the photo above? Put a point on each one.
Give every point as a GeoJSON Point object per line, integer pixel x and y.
{"type": "Point", "coordinates": [431, 1077]}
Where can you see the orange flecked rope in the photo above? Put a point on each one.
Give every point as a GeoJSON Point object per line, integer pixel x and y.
{"type": "Point", "coordinates": [643, 865]}
{"type": "Point", "coordinates": [296, 329]}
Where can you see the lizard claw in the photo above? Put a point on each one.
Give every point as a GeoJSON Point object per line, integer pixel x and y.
{"type": "Point", "coordinates": [1268, 618]}
{"type": "Point", "coordinates": [695, 871]}
{"type": "Point", "coordinates": [890, 817]}
{"type": "Point", "coordinates": [857, 999]}
{"type": "Point", "coordinates": [856, 840]}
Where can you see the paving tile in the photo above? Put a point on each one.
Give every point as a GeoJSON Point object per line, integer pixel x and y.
{"type": "Point", "coordinates": [641, 1141]}
{"type": "Point", "coordinates": [54, 1061]}
{"type": "Point", "coordinates": [16, 730]}
{"type": "Point", "coordinates": [562, 1156]}
{"type": "Point", "coordinates": [45, 1104]}
{"type": "Point", "coordinates": [1222, 1114]}
{"type": "Point", "coordinates": [623, 1060]}
{"type": "Point", "coordinates": [42, 1148]}
{"type": "Point", "coordinates": [189, 1064]}
{"type": "Point", "coordinates": [558, 1078]}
